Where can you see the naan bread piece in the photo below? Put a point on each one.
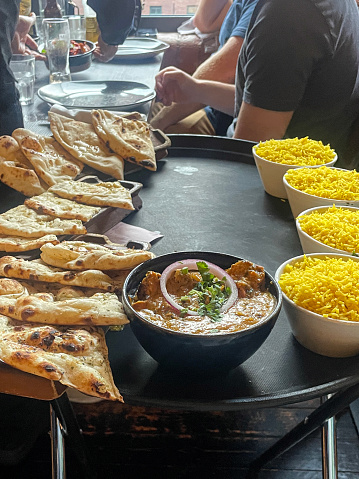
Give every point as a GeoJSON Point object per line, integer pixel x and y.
{"type": "Point", "coordinates": [80, 255]}
{"type": "Point", "coordinates": [58, 290]}
{"type": "Point", "coordinates": [50, 160]}
{"type": "Point", "coordinates": [27, 223]}
{"type": "Point", "coordinates": [12, 287]}
{"type": "Point", "coordinates": [77, 357]}
{"type": "Point", "coordinates": [50, 204]}
{"type": "Point", "coordinates": [105, 193]}
{"type": "Point", "coordinates": [82, 142]}
{"type": "Point", "coordinates": [101, 309]}
{"type": "Point", "coordinates": [37, 270]}
{"type": "Point", "coordinates": [15, 169]}
{"type": "Point", "coordinates": [129, 139]}
{"type": "Point", "coordinates": [16, 244]}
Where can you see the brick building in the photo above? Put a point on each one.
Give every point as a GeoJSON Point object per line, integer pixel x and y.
{"type": "Point", "coordinates": [169, 7]}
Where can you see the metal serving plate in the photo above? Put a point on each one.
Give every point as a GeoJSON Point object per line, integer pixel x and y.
{"type": "Point", "coordinates": [138, 48]}
{"type": "Point", "coordinates": [97, 94]}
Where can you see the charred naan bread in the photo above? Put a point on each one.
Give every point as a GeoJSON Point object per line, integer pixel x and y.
{"type": "Point", "coordinates": [77, 357]}
{"type": "Point", "coordinates": [105, 193]}
{"type": "Point", "coordinates": [16, 244]}
{"type": "Point", "coordinates": [50, 160]}
{"type": "Point", "coordinates": [50, 204]}
{"type": "Point", "coordinates": [37, 270]}
{"type": "Point", "coordinates": [15, 169]}
{"type": "Point", "coordinates": [27, 223]}
{"type": "Point", "coordinates": [80, 255]}
{"type": "Point", "coordinates": [100, 309]}
{"type": "Point", "coordinates": [82, 142]}
{"type": "Point", "coordinates": [129, 139]}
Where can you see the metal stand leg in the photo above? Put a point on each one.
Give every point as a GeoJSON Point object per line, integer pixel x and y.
{"type": "Point", "coordinates": [74, 438]}
{"type": "Point", "coordinates": [330, 408]}
{"type": "Point", "coordinates": [57, 447]}
{"type": "Point", "coordinates": [329, 447]}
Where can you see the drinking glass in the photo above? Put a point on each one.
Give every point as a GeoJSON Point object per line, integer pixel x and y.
{"type": "Point", "coordinates": [23, 68]}
{"type": "Point", "coordinates": [57, 45]}
{"type": "Point", "coordinates": [77, 26]}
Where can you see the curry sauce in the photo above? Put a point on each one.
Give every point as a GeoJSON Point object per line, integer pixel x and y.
{"type": "Point", "coordinates": [253, 305]}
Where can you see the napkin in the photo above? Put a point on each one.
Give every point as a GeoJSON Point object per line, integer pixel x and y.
{"type": "Point", "coordinates": [122, 233]}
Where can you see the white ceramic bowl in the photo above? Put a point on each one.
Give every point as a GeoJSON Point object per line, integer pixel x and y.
{"type": "Point", "coordinates": [271, 173]}
{"type": "Point", "coordinates": [326, 336]}
{"type": "Point", "coordinates": [300, 201]}
{"type": "Point", "coordinates": [311, 245]}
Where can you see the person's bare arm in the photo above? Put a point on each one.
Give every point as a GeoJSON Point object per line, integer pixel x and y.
{"type": "Point", "coordinates": [210, 15]}
{"type": "Point", "coordinates": [258, 124]}
{"type": "Point", "coordinates": [220, 67]}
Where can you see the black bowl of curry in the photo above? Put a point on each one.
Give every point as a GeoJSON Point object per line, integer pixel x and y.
{"type": "Point", "coordinates": [209, 313]}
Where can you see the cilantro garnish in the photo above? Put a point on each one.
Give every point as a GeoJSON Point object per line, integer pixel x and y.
{"type": "Point", "coordinates": [210, 293]}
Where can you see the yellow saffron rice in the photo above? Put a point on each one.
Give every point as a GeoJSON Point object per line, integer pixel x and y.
{"type": "Point", "coordinates": [326, 286]}
{"type": "Point", "coordinates": [325, 182]}
{"type": "Point", "coordinates": [295, 151]}
{"type": "Point", "coordinates": [335, 227]}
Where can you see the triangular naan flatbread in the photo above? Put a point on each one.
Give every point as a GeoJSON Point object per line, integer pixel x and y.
{"type": "Point", "coordinates": [37, 270]}
{"type": "Point", "coordinates": [83, 143]}
{"type": "Point", "coordinates": [129, 139]}
{"type": "Point", "coordinates": [15, 169]}
{"type": "Point", "coordinates": [50, 160]}
{"type": "Point", "coordinates": [16, 244]}
{"type": "Point", "coordinates": [27, 223]}
{"type": "Point", "coordinates": [75, 356]}
{"type": "Point", "coordinates": [105, 193]}
{"type": "Point", "coordinates": [50, 204]}
{"type": "Point", "coordinates": [80, 255]}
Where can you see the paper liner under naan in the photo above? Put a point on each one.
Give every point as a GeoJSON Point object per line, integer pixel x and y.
{"type": "Point", "coordinates": [129, 139]}
{"type": "Point", "coordinates": [50, 204]}
{"type": "Point", "coordinates": [15, 169]}
{"type": "Point", "coordinates": [104, 193]}
{"type": "Point", "coordinates": [50, 160]}
{"type": "Point", "coordinates": [77, 357]}
{"type": "Point", "coordinates": [81, 255]}
{"type": "Point", "coordinates": [27, 223]}
{"type": "Point", "coordinates": [82, 142]}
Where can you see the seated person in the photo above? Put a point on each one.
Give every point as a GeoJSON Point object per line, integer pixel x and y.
{"type": "Point", "coordinates": [221, 66]}
{"type": "Point", "coordinates": [297, 74]}
{"type": "Point", "coordinates": [116, 20]}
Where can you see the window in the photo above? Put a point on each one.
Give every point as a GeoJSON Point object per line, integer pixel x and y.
{"type": "Point", "coordinates": [155, 10]}
{"type": "Point", "coordinates": [191, 9]}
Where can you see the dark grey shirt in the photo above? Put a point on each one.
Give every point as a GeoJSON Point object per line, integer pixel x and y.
{"type": "Point", "coordinates": [9, 12]}
{"type": "Point", "coordinates": [303, 56]}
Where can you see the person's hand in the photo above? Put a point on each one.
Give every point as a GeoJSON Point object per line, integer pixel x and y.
{"type": "Point", "coordinates": [22, 41]}
{"type": "Point", "coordinates": [175, 86]}
{"type": "Point", "coordinates": [104, 52]}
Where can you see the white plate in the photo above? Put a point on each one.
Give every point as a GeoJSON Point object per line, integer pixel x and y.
{"type": "Point", "coordinates": [138, 48]}
{"type": "Point", "coordinates": [120, 95]}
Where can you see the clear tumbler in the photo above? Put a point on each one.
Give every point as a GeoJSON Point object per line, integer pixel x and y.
{"type": "Point", "coordinates": [57, 45]}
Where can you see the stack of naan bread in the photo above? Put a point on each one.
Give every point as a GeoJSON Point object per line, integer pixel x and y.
{"type": "Point", "coordinates": [31, 163]}
{"type": "Point", "coordinates": [51, 309]}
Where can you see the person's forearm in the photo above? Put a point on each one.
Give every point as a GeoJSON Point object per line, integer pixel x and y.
{"type": "Point", "coordinates": [217, 95]}
{"type": "Point", "coordinates": [210, 14]}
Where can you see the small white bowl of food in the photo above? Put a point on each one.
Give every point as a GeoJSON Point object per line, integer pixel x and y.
{"type": "Point", "coordinates": [274, 158]}
{"type": "Point", "coordinates": [321, 301]}
{"type": "Point", "coordinates": [329, 229]}
{"type": "Point", "coordinates": [324, 186]}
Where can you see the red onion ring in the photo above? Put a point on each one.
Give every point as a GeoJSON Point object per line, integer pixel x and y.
{"type": "Point", "coordinates": [192, 264]}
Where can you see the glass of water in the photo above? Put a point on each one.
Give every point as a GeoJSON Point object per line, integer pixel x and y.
{"type": "Point", "coordinates": [23, 68]}
{"type": "Point", "coordinates": [57, 46]}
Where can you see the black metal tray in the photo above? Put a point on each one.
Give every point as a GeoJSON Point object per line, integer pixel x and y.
{"type": "Point", "coordinates": [207, 195]}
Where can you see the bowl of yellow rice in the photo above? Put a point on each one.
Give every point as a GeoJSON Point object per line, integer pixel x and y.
{"type": "Point", "coordinates": [274, 158]}
{"type": "Point", "coordinates": [329, 229]}
{"type": "Point", "coordinates": [324, 186]}
{"type": "Point", "coordinates": [321, 301]}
